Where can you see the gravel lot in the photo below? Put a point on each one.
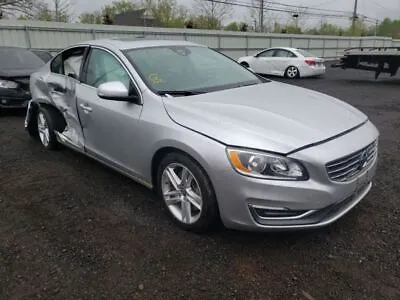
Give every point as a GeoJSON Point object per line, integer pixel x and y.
{"type": "Point", "coordinates": [72, 229]}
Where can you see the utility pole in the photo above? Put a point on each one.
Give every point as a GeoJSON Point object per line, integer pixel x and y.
{"type": "Point", "coordinates": [261, 15]}
{"type": "Point", "coordinates": [353, 25]}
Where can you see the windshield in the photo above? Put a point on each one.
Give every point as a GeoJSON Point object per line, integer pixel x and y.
{"type": "Point", "coordinates": [306, 53]}
{"type": "Point", "coordinates": [188, 68]}
{"type": "Point", "coordinates": [14, 58]}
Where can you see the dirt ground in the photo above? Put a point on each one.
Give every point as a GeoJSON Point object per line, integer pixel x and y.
{"type": "Point", "coordinates": [72, 229]}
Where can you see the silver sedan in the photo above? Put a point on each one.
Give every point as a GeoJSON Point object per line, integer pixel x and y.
{"type": "Point", "coordinates": [215, 141]}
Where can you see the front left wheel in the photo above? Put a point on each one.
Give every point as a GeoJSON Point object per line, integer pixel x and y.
{"type": "Point", "coordinates": [187, 193]}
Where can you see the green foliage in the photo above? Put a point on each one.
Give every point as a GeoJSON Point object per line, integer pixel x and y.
{"type": "Point", "coordinates": [206, 22]}
{"type": "Point", "coordinates": [236, 26]}
{"type": "Point", "coordinates": [168, 12]}
{"type": "Point", "coordinates": [390, 28]}
{"type": "Point", "coordinates": [91, 18]}
{"type": "Point", "coordinates": [118, 7]}
{"type": "Point", "coordinates": [42, 12]}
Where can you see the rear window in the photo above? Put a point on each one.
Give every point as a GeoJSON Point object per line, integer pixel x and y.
{"type": "Point", "coordinates": [14, 58]}
{"type": "Point", "coordinates": [306, 53]}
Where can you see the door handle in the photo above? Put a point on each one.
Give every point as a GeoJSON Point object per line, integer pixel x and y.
{"type": "Point", "coordinates": [87, 109]}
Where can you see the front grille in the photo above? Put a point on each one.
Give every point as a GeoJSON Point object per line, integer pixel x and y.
{"type": "Point", "coordinates": [348, 167]}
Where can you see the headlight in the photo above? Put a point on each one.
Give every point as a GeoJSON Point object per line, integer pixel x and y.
{"type": "Point", "coordinates": [6, 84]}
{"type": "Point", "coordinates": [265, 165]}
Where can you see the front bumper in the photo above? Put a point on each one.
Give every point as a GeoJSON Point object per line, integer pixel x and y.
{"type": "Point", "coordinates": [14, 102]}
{"type": "Point", "coordinates": [267, 205]}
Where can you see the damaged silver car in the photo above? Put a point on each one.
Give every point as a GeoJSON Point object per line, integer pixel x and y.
{"type": "Point", "coordinates": [214, 140]}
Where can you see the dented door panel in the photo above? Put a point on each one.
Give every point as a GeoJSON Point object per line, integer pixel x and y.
{"type": "Point", "coordinates": [60, 91]}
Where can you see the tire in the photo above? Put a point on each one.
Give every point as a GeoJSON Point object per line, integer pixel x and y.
{"type": "Point", "coordinates": [245, 64]}
{"type": "Point", "coordinates": [292, 72]}
{"type": "Point", "coordinates": [45, 124]}
{"type": "Point", "coordinates": [32, 126]}
{"type": "Point", "coordinates": [203, 211]}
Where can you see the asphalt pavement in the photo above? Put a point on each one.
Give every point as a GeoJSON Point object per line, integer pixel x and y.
{"type": "Point", "coordinates": [73, 229]}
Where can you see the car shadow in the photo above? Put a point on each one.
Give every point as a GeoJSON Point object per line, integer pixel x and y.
{"type": "Point", "coordinates": [13, 112]}
{"type": "Point", "coordinates": [368, 82]}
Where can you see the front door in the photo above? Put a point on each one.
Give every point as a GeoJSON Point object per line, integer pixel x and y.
{"type": "Point", "coordinates": [110, 127]}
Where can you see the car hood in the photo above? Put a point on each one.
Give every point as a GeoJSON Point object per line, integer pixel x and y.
{"type": "Point", "coordinates": [271, 116]}
{"type": "Point", "coordinates": [17, 72]}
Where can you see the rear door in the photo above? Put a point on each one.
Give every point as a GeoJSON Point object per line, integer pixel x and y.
{"type": "Point", "coordinates": [282, 60]}
{"type": "Point", "coordinates": [62, 83]}
{"type": "Point", "coordinates": [110, 127]}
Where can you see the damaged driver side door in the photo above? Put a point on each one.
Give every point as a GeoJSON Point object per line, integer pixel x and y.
{"type": "Point", "coordinates": [62, 83]}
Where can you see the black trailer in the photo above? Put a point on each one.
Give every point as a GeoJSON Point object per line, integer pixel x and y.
{"type": "Point", "coordinates": [376, 59]}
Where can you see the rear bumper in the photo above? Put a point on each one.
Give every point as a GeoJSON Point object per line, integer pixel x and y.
{"type": "Point", "coordinates": [308, 71]}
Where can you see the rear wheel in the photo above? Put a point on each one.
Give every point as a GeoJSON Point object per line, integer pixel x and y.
{"type": "Point", "coordinates": [187, 194]}
{"type": "Point", "coordinates": [292, 72]}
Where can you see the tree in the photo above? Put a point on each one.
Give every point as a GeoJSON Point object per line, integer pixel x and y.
{"type": "Point", "coordinates": [167, 12]}
{"type": "Point", "coordinates": [360, 29]}
{"type": "Point", "coordinates": [91, 18]}
{"type": "Point", "coordinates": [390, 28]}
{"type": "Point", "coordinates": [41, 11]}
{"type": "Point", "coordinates": [233, 26]}
{"type": "Point", "coordinates": [189, 24]}
{"type": "Point", "coordinates": [107, 19]}
{"type": "Point", "coordinates": [213, 13]}
{"type": "Point", "coordinates": [118, 7]}
{"type": "Point", "coordinates": [13, 7]}
{"type": "Point", "coordinates": [62, 10]}
{"type": "Point", "coordinates": [243, 27]}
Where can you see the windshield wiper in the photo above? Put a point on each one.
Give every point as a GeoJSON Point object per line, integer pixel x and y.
{"type": "Point", "coordinates": [180, 93]}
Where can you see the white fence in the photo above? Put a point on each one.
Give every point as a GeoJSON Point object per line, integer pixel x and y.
{"type": "Point", "coordinates": [55, 36]}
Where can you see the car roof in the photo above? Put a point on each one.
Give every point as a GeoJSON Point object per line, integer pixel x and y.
{"type": "Point", "coordinates": [283, 48]}
{"type": "Point", "coordinates": [124, 44]}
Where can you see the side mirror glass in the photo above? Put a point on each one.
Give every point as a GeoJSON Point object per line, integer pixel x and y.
{"type": "Point", "coordinates": [116, 91]}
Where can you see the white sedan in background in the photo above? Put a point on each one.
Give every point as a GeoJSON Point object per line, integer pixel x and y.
{"type": "Point", "coordinates": [287, 62]}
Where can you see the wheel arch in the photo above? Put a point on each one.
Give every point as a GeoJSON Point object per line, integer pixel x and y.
{"type": "Point", "coordinates": [167, 148]}
{"type": "Point", "coordinates": [36, 105]}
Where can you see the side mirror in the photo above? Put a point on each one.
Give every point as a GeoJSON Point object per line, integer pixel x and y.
{"type": "Point", "coordinates": [117, 91]}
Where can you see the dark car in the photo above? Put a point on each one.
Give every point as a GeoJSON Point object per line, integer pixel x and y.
{"type": "Point", "coordinates": [16, 66]}
{"type": "Point", "coordinates": [44, 55]}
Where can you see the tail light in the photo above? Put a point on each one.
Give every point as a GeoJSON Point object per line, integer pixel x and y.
{"type": "Point", "coordinates": [310, 62]}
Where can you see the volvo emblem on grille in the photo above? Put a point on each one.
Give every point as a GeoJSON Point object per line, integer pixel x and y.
{"type": "Point", "coordinates": [363, 160]}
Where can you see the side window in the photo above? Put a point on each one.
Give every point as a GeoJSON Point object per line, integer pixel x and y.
{"type": "Point", "coordinates": [267, 53]}
{"type": "Point", "coordinates": [57, 65]}
{"type": "Point", "coordinates": [103, 67]}
{"type": "Point", "coordinates": [282, 53]}
{"type": "Point", "coordinates": [68, 62]}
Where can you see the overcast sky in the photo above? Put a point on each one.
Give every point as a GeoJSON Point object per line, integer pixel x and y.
{"type": "Point", "coordinates": [371, 8]}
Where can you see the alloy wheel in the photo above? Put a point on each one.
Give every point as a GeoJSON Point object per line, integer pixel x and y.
{"type": "Point", "coordinates": [181, 193]}
{"type": "Point", "coordinates": [43, 129]}
{"type": "Point", "coordinates": [292, 72]}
